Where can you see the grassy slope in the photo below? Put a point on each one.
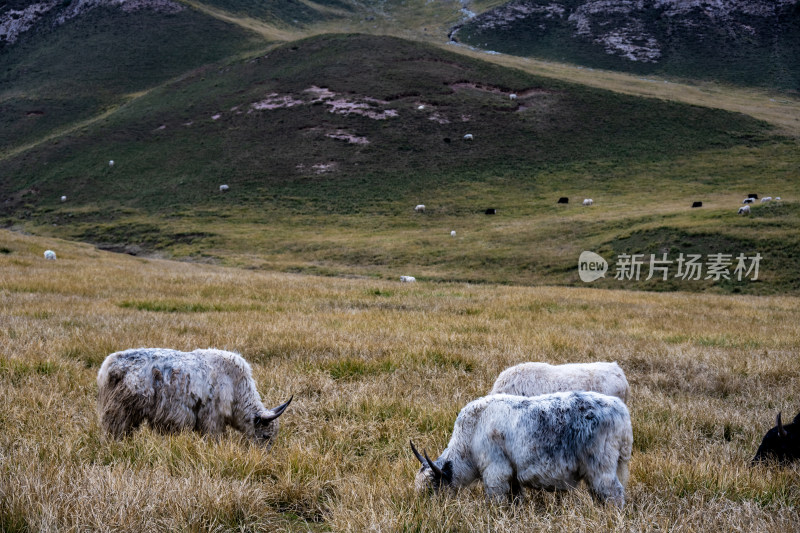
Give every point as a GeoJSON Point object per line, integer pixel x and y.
{"type": "Point", "coordinates": [52, 78]}
{"type": "Point", "coordinates": [371, 364]}
{"type": "Point", "coordinates": [569, 141]}
{"type": "Point", "coordinates": [746, 60]}
{"type": "Point", "coordinates": [357, 220]}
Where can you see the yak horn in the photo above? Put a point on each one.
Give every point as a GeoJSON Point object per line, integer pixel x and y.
{"type": "Point", "coordinates": [781, 431]}
{"type": "Point", "coordinates": [436, 469]}
{"type": "Point", "coordinates": [278, 411]}
{"type": "Point", "coordinates": [413, 449]}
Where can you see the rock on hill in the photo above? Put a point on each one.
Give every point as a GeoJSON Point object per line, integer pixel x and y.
{"type": "Point", "coordinates": [752, 42]}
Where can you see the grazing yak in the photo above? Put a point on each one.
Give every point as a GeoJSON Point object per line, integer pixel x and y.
{"type": "Point", "coordinates": [533, 379]}
{"type": "Point", "coordinates": [551, 441]}
{"type": "Point", "coordinates": [781, 443]}
{"type": "Point", "coordinates": [203, 390]}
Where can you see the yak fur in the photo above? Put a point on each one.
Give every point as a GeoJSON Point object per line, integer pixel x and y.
{"type": "Point", "coordinates": [551, 441]}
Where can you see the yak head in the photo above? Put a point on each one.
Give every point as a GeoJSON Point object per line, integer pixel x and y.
{"type": "Point", "coordinates": [265, 425]}
{"type": "Point", "coordinates": [431, 476]}
{"type": "Point", "coordinates": [781, 443]}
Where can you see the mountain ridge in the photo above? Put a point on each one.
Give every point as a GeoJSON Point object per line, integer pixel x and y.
{"type": "Point", "coordinates": [750, 42]}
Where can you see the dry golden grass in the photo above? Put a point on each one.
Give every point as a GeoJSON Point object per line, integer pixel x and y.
{"type": "Point", "coordinates": [372, 364]}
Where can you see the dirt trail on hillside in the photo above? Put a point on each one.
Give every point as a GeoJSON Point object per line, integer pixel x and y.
{"type": "Point", "coordinates": [780, 110]}
{"type": "Point", "coordinates": [268, 31]}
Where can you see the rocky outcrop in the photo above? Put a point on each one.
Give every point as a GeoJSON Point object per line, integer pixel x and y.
{"type": "Point", "coordinates": [636, 30]}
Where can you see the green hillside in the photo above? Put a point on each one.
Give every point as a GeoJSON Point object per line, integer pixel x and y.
{"type": "Point", "coordinates": [312, 190]}
{"type": "Point", "coordinates": [55, 76]}
{"type": "Point", "coordinates": [171, 150]}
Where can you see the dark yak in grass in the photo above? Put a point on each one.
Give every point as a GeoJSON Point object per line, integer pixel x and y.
{"type": "Point", "coordinates": [781, 443]}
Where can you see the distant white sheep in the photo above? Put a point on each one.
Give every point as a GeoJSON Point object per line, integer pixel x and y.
{"type": "Point", "coordinates": [748, 200]}
{"type": "Point", "coordinates": [111, 163]}
{"type": "Point", "coordinates": [533, 379]}
{"type": "Point", "coordinates": [203, 390]}
{"type": "Point", "coordinates": [407, 279]}
{"type": "Point", "coordinates": [223, 188]}
{"type": "Point", "coordinates": [50, 255]}
{"type": "Point", "coordinates": [453, 233]}
{"type": "Point", "coordinates": [468, 137]}
{"type": "Point", "coordinates": [420, 208]}
{"type": "Point", "coordinates": [588, 201]}
{"type": "Point", "coordinates": [744, 210]}
{"type": "Point", "coordinates": [766, 199]}
{"type": "Point", "coordinates": [63, 198]}
{"type": "Point", "coordinates": [512, 96]}
{"type": "Point", "coordinates": [777, 198]}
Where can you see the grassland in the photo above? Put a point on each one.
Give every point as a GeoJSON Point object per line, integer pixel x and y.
{"type": "Point", "coordinates": [372, 363]}
{"type": "Point", "coordinates": [644, 161]}
{"type": "Point", "coordinates": [297, 271]}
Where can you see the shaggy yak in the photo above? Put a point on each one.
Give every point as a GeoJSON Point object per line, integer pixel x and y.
{"type": "Point", "coordinates": [551, 441]}
{"type": "Point", "coordinates": [203, 390]}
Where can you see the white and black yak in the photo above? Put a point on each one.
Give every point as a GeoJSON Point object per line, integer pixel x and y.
{"type": "Point", "coordinates": [203, 390]}
{"type": "Point", "coordinates": [551, 441]}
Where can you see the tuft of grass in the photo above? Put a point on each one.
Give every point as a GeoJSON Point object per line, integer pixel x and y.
{"type": "Point", "coordinates": [170, 306]}
{"type": "Point", "coordinates": [350, 368]}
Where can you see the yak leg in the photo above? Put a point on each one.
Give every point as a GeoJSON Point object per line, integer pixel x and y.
{"type": "Point", "coordinates": [607, 488]}
{"type": "Point", "coordinates": [498, 481]}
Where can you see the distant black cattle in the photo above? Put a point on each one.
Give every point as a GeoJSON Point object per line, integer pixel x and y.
{"type": "Point", "coordinates": [491, 211]}
{"type": "Point", "coordinates": [697, 204]}
{"type": "Point", "coordinates": [781, 443]}
{"type": "Point", "coordinates": [563, 200]}
{"type": "Point", "coordinates": [753, 195]}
